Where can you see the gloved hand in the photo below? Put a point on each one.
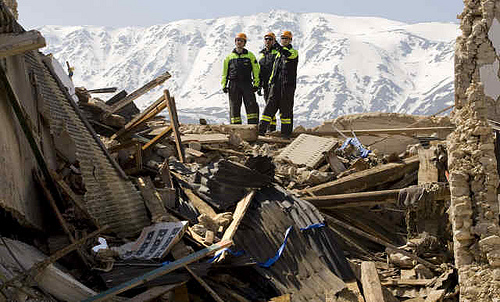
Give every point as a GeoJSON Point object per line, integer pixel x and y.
{"type": "Point", "coordinates": [259, 91]}
{"type": "Point", "coordinates": [225, 90]}
{"type": "Point", "coordinates": [255, 88]}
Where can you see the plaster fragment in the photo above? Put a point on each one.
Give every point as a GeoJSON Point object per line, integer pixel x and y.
{"type": "Point", "coordinates": [494, 35]}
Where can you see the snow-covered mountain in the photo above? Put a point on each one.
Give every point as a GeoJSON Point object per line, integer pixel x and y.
{"type": "Point", "coordinates": [346, 64]}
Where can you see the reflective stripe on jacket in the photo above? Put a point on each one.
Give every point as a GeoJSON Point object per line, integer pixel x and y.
{"type": "Point", "coordinates": [240, 67]}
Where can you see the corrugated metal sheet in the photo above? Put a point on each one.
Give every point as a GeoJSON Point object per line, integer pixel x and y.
{"type": "Point", "coordinates": [312, 262]}
{"type": "Point", "coordinates": [307, 150]}
{"type": "Point", "coordinates": [110, 199]}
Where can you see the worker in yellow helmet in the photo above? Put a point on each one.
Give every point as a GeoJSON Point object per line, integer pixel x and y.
{"type": "Point", "coordinates": [282, 87]}
{"type": "Point", "coordinates": [266, 61]}
{"type": "Point", "coordinates": [240, 78]}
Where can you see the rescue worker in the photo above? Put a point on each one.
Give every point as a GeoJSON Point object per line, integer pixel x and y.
{"type": "Point", "coordinates": [282, 87]}
{"type": "Point", "coordinates": [240, 78]}
{"type": "Point", "coordinates": [266, 61]}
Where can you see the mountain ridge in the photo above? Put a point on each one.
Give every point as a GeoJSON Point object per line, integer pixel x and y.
{"type": "Point", "coordinates": [346, 64]}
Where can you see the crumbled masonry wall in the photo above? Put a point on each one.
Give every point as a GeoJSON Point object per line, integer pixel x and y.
{"type": "Point", "coordinates": [12, 4]}
{"type": "Point", "coordinates": [472, 163]}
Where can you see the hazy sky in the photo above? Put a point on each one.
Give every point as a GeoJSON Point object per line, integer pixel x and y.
{"type": "Point", "coordinates": [118, 13]}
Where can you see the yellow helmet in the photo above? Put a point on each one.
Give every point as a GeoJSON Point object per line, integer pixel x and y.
{"type": "Point", "coordinates": [241, 36]}
{"type": "Point", "coordinates": [287, 34]}
{"type": "Point", "coordinates": [270, 34]}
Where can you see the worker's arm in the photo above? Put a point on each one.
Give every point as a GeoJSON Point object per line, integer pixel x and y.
{"type": "Point", "coordinates": [255, 70]}
{"type": "Point", "coordinates": [224, 72]}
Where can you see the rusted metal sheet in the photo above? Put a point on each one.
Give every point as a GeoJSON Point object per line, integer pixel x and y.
{"type": "Point", "coordinates": [307, 150]}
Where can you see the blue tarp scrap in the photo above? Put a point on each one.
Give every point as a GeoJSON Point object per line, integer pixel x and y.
{"type": "Point", "coordinates": [272, 260]}
{"type": "Point", "coordinates": [357, 144]}
{"type": "Point", "coordinates": [278, 254]}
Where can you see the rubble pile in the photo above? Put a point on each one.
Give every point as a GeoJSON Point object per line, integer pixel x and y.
{"type": "Point", "coordinates": [101, 201]}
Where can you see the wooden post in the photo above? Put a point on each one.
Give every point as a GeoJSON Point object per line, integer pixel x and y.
{"type": "Point", "coordinates": [204, 284]}
{"type": "Point", "coordinates": [137, 93]}
{"type": "Point", "coordinates": [371, 282]}
{"type": "Point", "coordinates": [174, 122]}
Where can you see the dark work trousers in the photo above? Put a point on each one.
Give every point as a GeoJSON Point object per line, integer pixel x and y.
{"type": "Point", "coordinates": [280, 98]}
{"type": "Point", "coordinates": [238, 92]}
{"type": "Point", "coordinates": [272, 126]}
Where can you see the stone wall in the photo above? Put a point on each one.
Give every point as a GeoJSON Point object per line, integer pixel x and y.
{"type": "Point", "coordinates": [472, 162]}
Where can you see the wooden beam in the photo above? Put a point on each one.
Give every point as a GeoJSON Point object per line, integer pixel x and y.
{"type": "Point", "coordinates": [204, 285]}
{"type": "Point", "coordinates": [370, 281]}
{"type": "Point", "coordinates": [157, 138]}
{"type": "Point", "coordinates": [199, 203]}
{"type": "Point", "coordinates": [103, 90]}
{"type": "Point", "coordinates": [363, 180]}
{"type": "Point", "coordinates": [140, 117]}
{"type": "Point", "coordinates": [328, 202]}
{"type": "Point", "coordinates": [395, 131]}
{"type": "Point", "coordinates": [59, 216]}
{"type": "Point", "coordinates": [137, 93]}
{"type": "Point", "coordinates": [159, 272]}
{"type": "Point", "coordinates": [15, 44]}
{"type": "Point", "coordinates": [152, 199]}
{"type": "Point", "coordinates": [238, 215]}
{"type": "Point", "coordinates": [174, 122]}
{"type": "Point", "coordinates": [381, 242]}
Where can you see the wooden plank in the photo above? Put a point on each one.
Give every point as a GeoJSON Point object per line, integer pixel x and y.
{"type": "Point", "coordinates": [199, 203]}
{"type": "Point", "coordinates": [140, 117]}
{"type": "Point", "coordinates": [103, 90]}
{"type": "Point", "coordinates": [154, 293]}
{"type": "Point", "coordinates": [328, 202]}
{"type": "Point", "coordinates": [371, 282]}
{"type": "Point", "coordinates": [52, 280]}
{"type": "Point", "coordinates": [159, 272]}
{"type": "Point", "coordinates": [204, 285]}
{"type": "Point", "coordinates": [394, 131]}
{"type": "Point", "coordinates": [137, 93]}
{"type": "Point", "coordinates": [334, 162]}
{"type": "Point", "coordinates": [152, 199]}
{"type": "Point", "coordinates": [211, 138]}
{"type": "Point", "coordinates": [157, 138]}
{"type": "Point", "coordinates": [427, 170]}
{"type": "Point", "coordinates": [194, 152]}
{"type": "Point", "coordinates": [175, 125]}
{"type": "Point", "coordinates": [363, 180]}
{"type": "Point", "coordinates": [411, 282]}
{"type": "Point", "coordinates": [238, 215]}
{"type": "Point", "coordinates": [15, 44]}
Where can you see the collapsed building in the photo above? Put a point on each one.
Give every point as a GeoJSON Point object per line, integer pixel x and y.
{"type": "Point", "coordinates": [100, 201]}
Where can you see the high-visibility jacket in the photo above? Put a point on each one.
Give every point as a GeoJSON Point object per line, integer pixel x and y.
{"type": "Point", "coordinates": [266, 61]}
{"type": "Point", "coordinates": [285, 66]}
{"type": "Point", "coordinates": [240, 67]}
